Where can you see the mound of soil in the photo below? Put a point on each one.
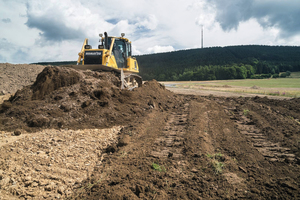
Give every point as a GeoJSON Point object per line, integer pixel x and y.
{"type": "Point", "coordinates": [67, 98]}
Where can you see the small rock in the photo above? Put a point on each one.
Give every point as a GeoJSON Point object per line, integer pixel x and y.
{"type": "Point", "coordinates": [30, 193]}
{"type": "Point", "coordinates": [28, 178]}
{"type": "Point", "coordinates": [50, 187]}
{"type": "Point", "coordinates": [61, 190]}
{"type": "Point", "coordinates": [43, 183]}
{"type": "Point", "coordinates": [4, 182]}
{"type": "Point", "coordinates": [242, 169]}
{"type": "Point", "coordinates": [194, 170]}
{"type": "Point", "coordinates": [123, 141]}
{"type": "Point", "coordinates": [34, 184]}
{"type": "Point", "coordinates": [17, 132]}
{"type": "Point", "coordinates": [28, 183]}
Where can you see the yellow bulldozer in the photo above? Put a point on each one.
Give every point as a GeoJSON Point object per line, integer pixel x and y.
{"type": "Point", "coordinates": [113, 54]}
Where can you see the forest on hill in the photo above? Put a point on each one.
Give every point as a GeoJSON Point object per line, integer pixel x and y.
{"type": "Point", "coordinates": [221, 63]}
{"type": "Point", "coordinates": [217, 63]}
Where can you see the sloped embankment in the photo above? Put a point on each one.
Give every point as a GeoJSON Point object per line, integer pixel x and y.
{"type": "Point", "coordinates": [67, 98]}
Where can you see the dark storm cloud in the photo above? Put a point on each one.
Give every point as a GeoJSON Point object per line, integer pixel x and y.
{"type": "Point", "coordinates": [269, 13]}
{"type": "Point", "coordinates": [6, 20]}
{"type": "Point", "coordinates": [53, 28]}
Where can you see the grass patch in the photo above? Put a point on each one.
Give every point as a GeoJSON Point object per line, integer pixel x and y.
{"type": "Point", "coordinates": [216, 161]}
{"type": "Point", "coordinates": [265, 83]}
{"type": "Point", "coordinates": [157, 167]}
{"type": "Point", "coordinates": [246, 112]}
{"type": "Point", "coordinates": [288, 87]}
{"type": "Point", "coordinates": [295, 75]}
{"type": "Point", "coordinates": [217, 166]}
{"type": "Point", "coordinates": [296, 120]}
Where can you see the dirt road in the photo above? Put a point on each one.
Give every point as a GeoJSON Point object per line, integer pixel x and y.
{"type": "Point", "coordinates": [160, 145]}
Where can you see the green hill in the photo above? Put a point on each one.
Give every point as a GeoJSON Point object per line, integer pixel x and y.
{"type": "Point", "coordinates": [231, 62]}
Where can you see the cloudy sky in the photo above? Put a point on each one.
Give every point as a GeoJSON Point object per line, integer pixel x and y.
{"type": "Point", "coordinates": [54, 30]}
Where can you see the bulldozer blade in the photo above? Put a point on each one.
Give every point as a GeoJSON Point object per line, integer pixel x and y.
{"type": "Point", "coordinates": [128, 79]}
{"type": "Point", "coordinates": [93, 68]}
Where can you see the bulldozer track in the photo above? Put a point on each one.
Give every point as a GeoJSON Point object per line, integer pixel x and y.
{"type": "Point", "coordinates": [274, 152]}
{"type": "Point", "coordinates": [170, 143]}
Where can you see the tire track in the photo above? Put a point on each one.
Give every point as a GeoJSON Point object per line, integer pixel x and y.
{"type": "Point", "coordinates": [274, 152]}
{"type": "Point", "coordinates": [170, 143]}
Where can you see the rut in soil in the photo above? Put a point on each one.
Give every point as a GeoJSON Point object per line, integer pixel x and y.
{"type": "Point", "coordinates": [170, 143]}
{"type": "Point", "coordinates": [270, 150]}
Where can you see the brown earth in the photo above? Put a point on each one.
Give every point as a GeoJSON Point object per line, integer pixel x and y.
{"type": "Point", "coordinates": [14, 77]}
{"type": "Point", "coordinates": [76, 135]}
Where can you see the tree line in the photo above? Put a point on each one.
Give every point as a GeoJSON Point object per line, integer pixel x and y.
{"type": "Point", "coordinates": [221, 63]}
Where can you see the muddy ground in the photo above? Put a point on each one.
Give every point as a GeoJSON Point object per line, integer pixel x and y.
{"type": "Point", "coordinates": [76, 135]}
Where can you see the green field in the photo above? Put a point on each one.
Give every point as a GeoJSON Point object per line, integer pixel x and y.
{"type": "Point", "coordinates": [295, 75]}
{"type": "Point", "coordinates": [288, 87]}
{"type": "Point", "coordinates": [268, 83]}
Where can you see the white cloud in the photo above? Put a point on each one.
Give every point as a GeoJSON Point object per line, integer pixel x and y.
{"type": "Point", "coordinates": [149, 23]}
{"type": "Point", "coordinates": [54, 30]}
{"type": "Point", "coordinates": [159, 49]}
{"type": "Point", "coordinates": [207, 14]}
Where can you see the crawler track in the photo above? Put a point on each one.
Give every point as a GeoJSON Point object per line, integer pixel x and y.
{"type": "Point", "coordinates": [272, 151]}
{"type": "Point", "coordinates": [170, 142]}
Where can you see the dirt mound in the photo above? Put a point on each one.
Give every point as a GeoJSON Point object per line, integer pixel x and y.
{"type": "Point", "coordinates": [67, 98]}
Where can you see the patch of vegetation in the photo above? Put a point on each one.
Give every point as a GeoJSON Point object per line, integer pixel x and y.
{"type": "Point", "coordinates": [157, 167]}
{"type": "Point", "coordinates": [217, 166]}
{"type": "Point", "coordinates": [262, 83]}
{"type": "Point", "coordinates": [296, 120]}
{"type": "Point", "coordinates": [217, 162]}
{"type": "Point", "coordinates": [287, 87]}
{"type": "Point", "coordinates": [246, 112]}
{"type": "Point", "coordinates": [274, 93]}
{"type": "Point", "coordinates": [210, 155]}
{"type": "Point", "coordinates": [295, 75]}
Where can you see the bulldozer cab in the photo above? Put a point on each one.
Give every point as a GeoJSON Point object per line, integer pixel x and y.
{"type": "Point", "coordinates": [121, 50]}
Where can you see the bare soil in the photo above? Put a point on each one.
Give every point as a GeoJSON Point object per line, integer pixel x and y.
{"type": "Point", "coordinates": [14, 77]}
{"type": "Point", "coordinates": [76, 135]}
